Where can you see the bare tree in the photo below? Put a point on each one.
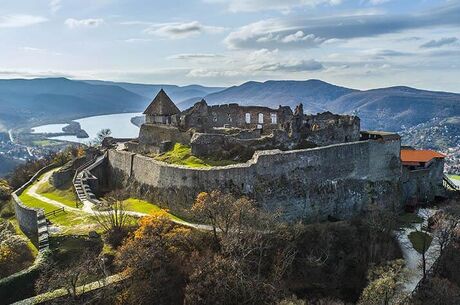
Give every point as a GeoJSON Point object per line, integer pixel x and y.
{"type": "Point", "coordinates": [446, 227]}
{"type": "Point", "coordinates": [421, 240]}
{"type": "Point", "coordinates": [72, 278]}
{"type": "Point", "coordinates": [113, 217]}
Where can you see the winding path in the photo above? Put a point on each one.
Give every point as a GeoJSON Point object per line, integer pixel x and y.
{"type": "Point", "coordinates": [88, 206]}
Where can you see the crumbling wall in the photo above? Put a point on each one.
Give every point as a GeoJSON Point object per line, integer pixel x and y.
{"type": "Point", "coordinates": [151, 137]}
{"type": "Point", "coordinates": [204, 117]}
{"type": "Point", "coordinates": [328, 128]}
{"type": "Point", "coordinates": [423, 184]}
{"type": "Point", "coordinates": [337, 180]}
{"type": "Point", "coordinates": [233, 147]}
{"type": "Point", "coordinates": [65, 174]}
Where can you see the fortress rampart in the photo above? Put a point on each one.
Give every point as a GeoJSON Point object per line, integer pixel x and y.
{"type": "Point", "coordinates": [337, 180]}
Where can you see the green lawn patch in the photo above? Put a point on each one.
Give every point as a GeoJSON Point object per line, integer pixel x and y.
{"type": "Point", "coordinates": [421, 241]}
{"type": "Point", "coordinates": [142, 206]}
{"type": "Point", "coordinates": [182, 155]}
{"type": "Point", "coordinates": [45, 143]}
{"type": "Point", "coordinates": [66, 195]}
{"type": "Point", "coordinates": [455, 177]}
{"type": "Point", "coordinates": [70, 222]}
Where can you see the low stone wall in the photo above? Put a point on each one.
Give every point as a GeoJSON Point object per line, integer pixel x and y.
{"type": "Point", "coordinates": [66, 173]}
{"type": "Point", "coordinates": [28, 218]}
{"type": "Point", "coordinates": [337, 180]}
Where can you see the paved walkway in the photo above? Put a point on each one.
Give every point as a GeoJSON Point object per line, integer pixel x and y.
{"type": "Point", "coordinates": [88, 206]}
{"type": "Point", "coordinates": [411, 256]}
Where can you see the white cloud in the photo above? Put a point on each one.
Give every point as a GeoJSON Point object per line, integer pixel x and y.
{"type": "Point", "coordinates": [193, 56]}
{"type": "Point", "coordinates": [55, 5]}
{"type": "Point", "coordinates": [177, 30]}
{"type": "Point", "coordinates": [282, 5]}
{"type": "Point", "coordinates": [17, 21]}
{"type": "Point", "coordinates": [135, 40]}
{"type": "Point", "coordinates": [91, 22]}
{"type": "Point", "coordinates": [313, 31]}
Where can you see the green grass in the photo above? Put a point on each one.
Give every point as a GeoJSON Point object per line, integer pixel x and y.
{"type": "Point", "coordinates": [45, 143]}
{"type": "Point", "coordinates": [421, 241]}
{"type": "Point", "coordinates": [70, 222]}
{"type": "Point", "coordinates": [455, 177]}
{"type": "Point", "coordinates": [182, 155]}
{"type": "Point", "coordinates": [66, 195]}
{"type": "Point", "coordinates": [142, 206]}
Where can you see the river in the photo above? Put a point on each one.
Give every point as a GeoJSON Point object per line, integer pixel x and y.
{"type": "Point", "coordinates": [120, 125]}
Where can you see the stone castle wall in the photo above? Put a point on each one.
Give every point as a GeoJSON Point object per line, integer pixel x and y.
{"type": "Point", "coordinates": [424, 184]}
{"type": "Point", "coordinates": [337, 180]}
{"type": "Point", "coordinates": [28, 218]}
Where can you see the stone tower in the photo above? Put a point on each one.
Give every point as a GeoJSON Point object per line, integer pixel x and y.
{"type": "Point", "coordinates": [161, 110]}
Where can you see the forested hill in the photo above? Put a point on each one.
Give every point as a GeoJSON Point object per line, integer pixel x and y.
{"type": "Point", "coordinates": [393, 108]}
{"type": "Point", "coordinates": [58, 99]}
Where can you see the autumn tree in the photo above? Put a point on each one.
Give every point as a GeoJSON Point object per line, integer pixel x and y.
{"type": "Point", "coordinates": [249, 252]}
{"type": "Point", "coordinates": [385, 284]}
{"type": "Point", "coordinates": [155, 258]}
{"type": "Point", "coordinates": [14, 252]}
{"type": "Point", "coordinates": [5, 190]}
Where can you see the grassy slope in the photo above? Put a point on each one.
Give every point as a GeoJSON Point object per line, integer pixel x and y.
{"type": "Point", "coordinates": [455, 177]}
{"type": "Point", "coordinates": [70, 222]}
{"type": "Point", "coordinates": [142, 206]}
{"type": "Point", "coordinates": [66, 195]}
{"type": "Point", "coordinates": [182, 155]}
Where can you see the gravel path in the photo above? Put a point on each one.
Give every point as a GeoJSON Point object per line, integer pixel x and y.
{"type": "Point", "coordinates": [88, 206]}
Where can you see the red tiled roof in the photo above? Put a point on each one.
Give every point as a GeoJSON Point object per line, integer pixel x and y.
{"type": "Point", "coordinates": [411, 156]}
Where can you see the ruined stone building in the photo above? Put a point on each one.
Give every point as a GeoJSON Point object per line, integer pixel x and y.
{"type": "Point", "coordinates": [235, 132]}
{"type": "Point", "coordinates": [306, 166]}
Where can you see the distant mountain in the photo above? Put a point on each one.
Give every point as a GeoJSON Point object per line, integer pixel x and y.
{"type": "Point", "coordinates": [176, 93]}
{"type": "Point", "coordinates": [314, 94]}
{"type": "Point", "coordinates": [35, 101]}
{"type": "Point", "coordinates": [60, 98]}
{"type": "Point", "coordinates": [397, 108]}
{"type": "Point", "coordinates": [394, 108]}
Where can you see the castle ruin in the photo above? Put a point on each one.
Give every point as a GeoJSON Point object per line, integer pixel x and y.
{"type": "Point", "coordinates": [307, 166]}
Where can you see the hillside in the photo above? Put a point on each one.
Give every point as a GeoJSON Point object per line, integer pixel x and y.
{"type": "Point", "coordinates": [40, 100]}
{"type": "Point", "coordinates": [397, 108]}
{"type": "Point", "coordinates": [36, 101]}
{"type": "Point", "coordinates": [393, 108]}
{"type": "Point", "coordinates": [177, 93]}
{"type": "Point", "coordinates": [314, 94]}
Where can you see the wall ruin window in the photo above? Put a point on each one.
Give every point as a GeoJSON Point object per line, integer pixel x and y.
{"type": "Point", "coordinates": [261, 118]}
{"type": "Point", "coordinates": [229, 117]}
{"type": "Point", "coordinates": [248, 118]}
{"type": "Point", "coordinates": [274, 118]}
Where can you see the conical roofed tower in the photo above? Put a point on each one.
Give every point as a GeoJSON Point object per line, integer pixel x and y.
{"type": "Point", "coordinates": [161, 109]}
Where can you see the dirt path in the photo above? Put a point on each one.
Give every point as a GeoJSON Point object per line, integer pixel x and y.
{"type": "Point", "coordinates": [32, 191]}
{"type": "Point", "coordinates": [88, 207]}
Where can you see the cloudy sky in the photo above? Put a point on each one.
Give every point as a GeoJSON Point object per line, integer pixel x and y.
{"type": "Point", "coordinates": [356, 43]}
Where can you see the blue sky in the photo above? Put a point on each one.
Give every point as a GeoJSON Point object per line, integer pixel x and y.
{"type": "Point", "coordinates": [360, 43]}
